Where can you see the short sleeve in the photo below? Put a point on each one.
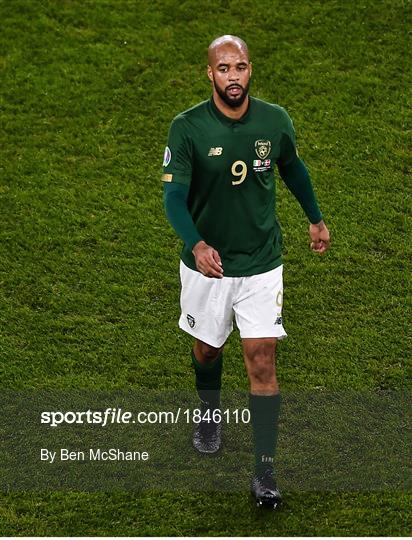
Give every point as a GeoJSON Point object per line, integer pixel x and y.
{"type": "Point", "coordinates": [177, 159]}
{"type": "Point", "coordinates": [288, 140]}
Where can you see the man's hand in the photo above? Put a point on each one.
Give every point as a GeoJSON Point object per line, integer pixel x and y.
{"type": "Point", "coordinates": [320, 237]}
{"type": "Point", "coordinates": [207, 260]}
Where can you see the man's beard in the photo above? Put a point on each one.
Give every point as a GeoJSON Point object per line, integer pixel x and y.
{"type": "Point", "coordinates": [233, 102]}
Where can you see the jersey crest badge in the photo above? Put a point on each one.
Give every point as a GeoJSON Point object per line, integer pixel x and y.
{"type": "Point", "coordinates": [167, 157]}
{"type": "Point", "coordinates": [262, 148]}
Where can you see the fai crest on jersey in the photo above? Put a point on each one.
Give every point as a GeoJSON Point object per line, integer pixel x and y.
{"type": "Point", "coordinates": [191, 321]}
{"type": "Point", "coordinates": [262, 148]}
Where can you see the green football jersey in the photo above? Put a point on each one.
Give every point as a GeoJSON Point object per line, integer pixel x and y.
{"type": "Point", "coordinates": [229, 168]}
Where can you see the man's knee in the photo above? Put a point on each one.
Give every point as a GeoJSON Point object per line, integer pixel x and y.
{"type": "Point", "coordinates": [205, 353]}
{"type": "Point", "coordinates": [260, 357]}
{"type": "Point", "coordinates": [260, 351]}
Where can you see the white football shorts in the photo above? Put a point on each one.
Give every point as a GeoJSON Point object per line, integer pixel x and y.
{"type": "Point", "coordinates": [210, 304]}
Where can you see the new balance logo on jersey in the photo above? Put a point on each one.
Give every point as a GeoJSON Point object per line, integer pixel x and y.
{"type": "Point", "coordinates": [215, 151]}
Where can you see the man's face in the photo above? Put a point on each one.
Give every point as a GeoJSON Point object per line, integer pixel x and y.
{"type": "Point", "coordinates": [229, 70]}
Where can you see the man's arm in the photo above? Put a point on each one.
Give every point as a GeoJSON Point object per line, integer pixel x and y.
{"type": "Point", "coordinates": [175, 201]}
{"type": "Point", "coordinates": [297, 179]}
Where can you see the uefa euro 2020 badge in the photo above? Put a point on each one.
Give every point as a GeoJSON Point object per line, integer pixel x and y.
{"type": "Point", "coordinates": [167, 156]}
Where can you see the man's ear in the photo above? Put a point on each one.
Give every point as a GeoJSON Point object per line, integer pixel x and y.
{"type": "Point", "coordinates": [250, 67]}
{"type": "Point", "coordinates": [209, 73]}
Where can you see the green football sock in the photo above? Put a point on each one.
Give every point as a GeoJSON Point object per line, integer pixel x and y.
{"type": "Point", "coordinates": [264, 412]}
{"type": "Point", "coordinates": [209, 380]}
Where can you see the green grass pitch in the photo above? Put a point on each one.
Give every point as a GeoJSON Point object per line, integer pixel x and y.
{"type": "Point", "coordinates": [89, 265]}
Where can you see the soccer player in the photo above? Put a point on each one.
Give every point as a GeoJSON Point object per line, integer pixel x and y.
{"type": "Point", "coordinates": [219, 195]}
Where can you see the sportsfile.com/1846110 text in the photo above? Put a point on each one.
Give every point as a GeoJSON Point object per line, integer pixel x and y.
{"type": "Point", "coordinates": [119, 416]}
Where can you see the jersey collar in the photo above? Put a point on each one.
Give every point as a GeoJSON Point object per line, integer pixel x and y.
{"type": "Point", "coordinates": [230, 121]}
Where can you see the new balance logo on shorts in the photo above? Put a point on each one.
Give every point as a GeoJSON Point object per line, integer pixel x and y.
{"type": "Point", "coordinates": [278, 320]}
{"type": "Point", "coordinates": [191, 321]}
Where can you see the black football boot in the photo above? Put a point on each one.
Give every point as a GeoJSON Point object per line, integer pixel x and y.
{"type": "Point", "coordinates": [207, 437]}
{"type": "Point", "coordinates": [265, 491]}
